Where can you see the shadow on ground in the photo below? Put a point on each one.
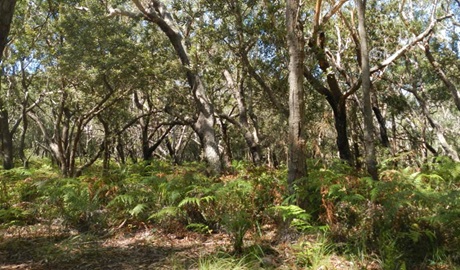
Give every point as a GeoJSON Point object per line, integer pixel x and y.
{"type": "Point", "coordinates": [68, 251]}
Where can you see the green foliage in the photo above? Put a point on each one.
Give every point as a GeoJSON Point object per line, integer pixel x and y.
{"type": "Point", "coordinates": [77, 201]}
{"type": "Point", "coordinates": [297, 216]}
{"type": "Point", "coordinates": [314, 255]}
{"type": "Point", "coordinates": [223, 263]}
{"type": "Point", "coordinates": [408, 218]}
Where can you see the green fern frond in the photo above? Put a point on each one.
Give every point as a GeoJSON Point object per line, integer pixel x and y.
{"type": "Point", "coordinates": [189, 201]}
{"type": "Point", "coordinates": [169, 211]}
{"type": "Point", "coordinates": [136, 211]}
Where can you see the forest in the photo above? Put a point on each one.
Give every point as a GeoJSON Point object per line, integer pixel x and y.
{"type": "Point", "coordinates": [230, 134]}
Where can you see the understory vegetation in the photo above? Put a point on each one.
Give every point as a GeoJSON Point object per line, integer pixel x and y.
{"type": "Point", "coordinates": [410, 219]}
{"type": "Point", "coordinates": [233, 134]}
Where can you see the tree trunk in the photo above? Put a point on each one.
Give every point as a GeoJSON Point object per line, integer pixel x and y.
{"type": "Point", "coordinates": [105, 146]}
{"type": "Point", "coordinates": [249, 136]}
{"type": "Point", "coordinates": [371, 160]}
{"type": "Point", "coordinates": [383, 129]}
{"type": "Point", "coordinates": [448, 83]}
{"type": "Point", "coordinates": [6, 140]}
{"type": "Point", "coordinates": [227, 155]}
{"type": "Point", "coordinates": [6, 136]}
{"type": "Point", "coordinates": [355, 135]}
{"type": "Point", "coordinates": [334, 96]}
{"type": "Point", "coordinates": [121, 150]}
{"type": "Point", "coordinates": [22, 141]}
{"type": "Point", "coordinates": [340, 120]}
{"type": "Point", "coordinates": [297, 167]}
{"type": "Point", "coordinates": [6, 17]}
{"type": "Point", "coordinates": [204, 126]}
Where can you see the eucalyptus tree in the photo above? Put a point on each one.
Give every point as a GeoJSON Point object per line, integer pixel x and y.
{"type": "Point", "coordinates": [20, 89]}
{"type": "Point", "coordinates": [334, 56]}
{"type": "Point", "coordinates": [84, 72]}
{"type": "Point", "coordinates": [203, 124]}
{"type": "Point", "coordinates": [296, 140]}
{"type": "Point", "coordinates": [431, 86]}
{"type": "Point", "coordinates": [252, 58]}
{"type": "Point", "coordinates": [371, 161]}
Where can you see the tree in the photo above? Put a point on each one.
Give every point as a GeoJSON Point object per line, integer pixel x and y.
{"type": "Point", "coordinates": [333, 92]}
{"type": "Point", "coordinates": [203, 125]}
{"type": "Point", "coordinates": [296, 138]}
{"type": "Point", "coordinates": [6, 17]}
{"type": "Point", "coordinates": [366, 86]}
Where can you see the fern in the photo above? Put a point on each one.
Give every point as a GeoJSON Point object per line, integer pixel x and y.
{"type": "Point", "coordinates": [297, 216]}
{"type": "Point", "coordinates": [169, 211]}
{"type": "Point", "coordinates": [190, 201]}
{"type": "Point", "coordinates": [138, 209]}
{"type": "Point", "coordinates": [196, 200]}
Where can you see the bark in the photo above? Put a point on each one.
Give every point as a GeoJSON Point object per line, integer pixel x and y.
{"type": "Point", "coordinates": [297, 167]}
{"type": "Point", "coordinates": [341, 126]}
{"type": "Point", "coordinates": [371, 160]}
{"type": "Point", "coordinates": [6, 17]}
{"type": "Point", "coordinates": [382, 124]}
{"type": "Point", "coordinates": [355, 135]}
{"type": "Point", "coordinates": [172, 152]}
{"type": "Point", "coordinates": [204, 127]}
{"type": "Point", "coordinates": [25, 121]}
{"type": "Point", "coordinates": [6, 140]}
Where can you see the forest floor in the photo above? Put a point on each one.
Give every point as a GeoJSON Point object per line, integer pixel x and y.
{"type": "Point", "coordinates": [54, 247]}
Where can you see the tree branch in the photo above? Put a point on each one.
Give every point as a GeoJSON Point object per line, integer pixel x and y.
{"type": "Point", "coordinates": [118, 12]}
{"type": "Point", "coordinates": [414, 41]}
{"type": "Point", "coordinates": [333, 10]}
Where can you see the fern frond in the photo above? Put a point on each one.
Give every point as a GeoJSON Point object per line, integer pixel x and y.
{"type": "Point", "coordinates": [138, 209]}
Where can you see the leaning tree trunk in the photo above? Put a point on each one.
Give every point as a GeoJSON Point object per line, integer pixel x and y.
{"type": "Point", "coordinates": [296, 138]}
{"type": "Point", "coordinates": [371, 160]}
{"type": "Point", "coordinates": [204, 126]}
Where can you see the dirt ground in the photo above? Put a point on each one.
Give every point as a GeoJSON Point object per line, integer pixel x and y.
{"type": "Point", "coordinates": [54, 247]}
